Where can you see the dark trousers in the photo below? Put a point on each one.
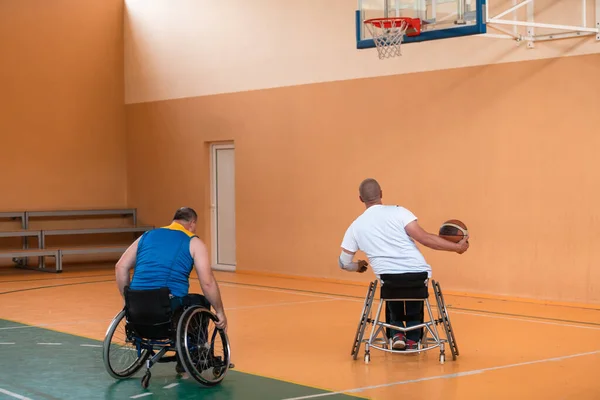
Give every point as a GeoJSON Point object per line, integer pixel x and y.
{"type": "Point", "coordinates": [405, 314]}
{"type": "Point", "coordinates": [178, 303]}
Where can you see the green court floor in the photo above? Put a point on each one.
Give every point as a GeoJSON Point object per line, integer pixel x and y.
{"type": "Point", "coordinates": [39, 363]}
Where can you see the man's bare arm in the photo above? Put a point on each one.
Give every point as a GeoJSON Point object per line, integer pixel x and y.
{"type": "Point", "coordinates": [124, 265]}
{"type": "Point", "coordinates": [435, 242]}
{"type": "Point", "coordinates": [208, 283]}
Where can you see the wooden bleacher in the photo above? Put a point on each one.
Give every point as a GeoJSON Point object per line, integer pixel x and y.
{"type": "Point", "coordinates": [19, 256]}
{"type": "Point", "coordinates": [12, 215]}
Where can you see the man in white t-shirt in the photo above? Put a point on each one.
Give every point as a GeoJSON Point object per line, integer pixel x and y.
{"type": "Point", "coordinates": [386, 234]}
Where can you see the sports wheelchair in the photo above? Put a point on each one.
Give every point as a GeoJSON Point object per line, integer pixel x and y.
{"type": "Point", "coordinates": [404, 290]}
{"type": "Point", "coordinates": [147, 328]}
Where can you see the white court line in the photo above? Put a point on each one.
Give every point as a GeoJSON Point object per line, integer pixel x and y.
{"type": "Point", "coordinates": [227, 309]}
{"type": "Point", "coordinates": [291, 303]}
{"type": "Point", "coordinates": [137, 396]}
{"type": "Point", "coordinates": [596, 328]}
{"type": "Point", "coordinates": [90, 345]}
{"type": "Point", "coordinates": [51, 344]}
{"type": "Point", "coordinates": [7, 343]}
{"type": "Point", "coordinates": [330, 297]}
{"type": "Point", "coordinates": [450, 311]}
{"type": "Point", "coordinates": [54, 324]}
{"type": "Point", "coordinates": [447, 376]}
{"type": "Point", "coordinates": [15, 395]}
{"type": "Point", "coordinates": [287, 291]}
{"type": "Point", "coordinates": [172, 385]}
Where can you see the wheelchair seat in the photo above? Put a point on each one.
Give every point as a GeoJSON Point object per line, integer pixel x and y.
{"type": "Point", "coordinates": [149, 313]}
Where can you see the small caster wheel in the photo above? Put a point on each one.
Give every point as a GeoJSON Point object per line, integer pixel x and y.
{"type": "Point", "coordinates": [442, 358]}
{"type": "Point", "coordinates": [367, 358]}
{"type": "Point", "coordinates": [146, 380]}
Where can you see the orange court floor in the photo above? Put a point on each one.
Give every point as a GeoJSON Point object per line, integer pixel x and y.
{"type": "Point", "coordinates": [300, 331]}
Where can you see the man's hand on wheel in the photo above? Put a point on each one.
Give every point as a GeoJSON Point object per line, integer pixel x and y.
{"type": "Point", "coordinates": [222, 321]}
{"type": "Point", "coordinates": [362, 266]}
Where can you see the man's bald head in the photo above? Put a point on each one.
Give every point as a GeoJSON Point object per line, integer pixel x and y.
{"type": "Point", "coordinates": [370, 191]}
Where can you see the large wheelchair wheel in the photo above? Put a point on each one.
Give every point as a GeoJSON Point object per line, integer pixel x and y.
{"type": "Point", "coordinates": [364, 319]}
{"type": "Point", "coordinates": [203, 348]}
{"type": "Point", "coordinates": [121, 355]}
{"type": "Point", "coordinates": [445, 319]}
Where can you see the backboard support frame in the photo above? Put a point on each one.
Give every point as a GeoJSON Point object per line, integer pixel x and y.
{"type": "Point", "coordinates": [475, 29]}
{"type": "Point", "coordinates": [507, 28]}
{"type": "Point", "coordinates": [564, 31]}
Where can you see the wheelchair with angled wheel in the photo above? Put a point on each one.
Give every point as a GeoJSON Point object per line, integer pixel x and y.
{"type": "Point", "coordinates": [147, 328]}
{"type": "Point", "coordinates": [398, 288]}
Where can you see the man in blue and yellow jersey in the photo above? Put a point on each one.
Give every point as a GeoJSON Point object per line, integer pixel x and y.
{"type": "Point", "coordinates": [165, 257]}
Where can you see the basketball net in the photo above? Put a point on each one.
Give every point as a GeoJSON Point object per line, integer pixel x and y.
{"type": "Point", "coordinates": [388, 34]}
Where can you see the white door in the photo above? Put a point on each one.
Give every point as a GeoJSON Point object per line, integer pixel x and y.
{"type": "Point", "coordinates": [223, 207]}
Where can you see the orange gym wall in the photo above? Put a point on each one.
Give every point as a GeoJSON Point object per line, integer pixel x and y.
{"type": "Point", "coordinates": [62, 119]}
{"type": "Point", "coordinates": [511, 149]}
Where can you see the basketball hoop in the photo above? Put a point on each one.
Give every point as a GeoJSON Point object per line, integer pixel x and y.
{"type": "Point", "coordinates": [388, 33]}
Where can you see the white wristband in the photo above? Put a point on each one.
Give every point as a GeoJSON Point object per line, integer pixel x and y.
{"type": "Point", "coordinates": [345, 262]}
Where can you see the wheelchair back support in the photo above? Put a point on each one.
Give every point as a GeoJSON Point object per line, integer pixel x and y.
{"type": "Point", "coordinates": [149, 312]}
{"type": "Point", "coordinates": [404, 286]}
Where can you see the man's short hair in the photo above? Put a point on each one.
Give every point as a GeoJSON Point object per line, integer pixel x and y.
{"type": "Point", "coordinates": [369, 190]}
{"type": "Point", "coordinates": [186, 214]}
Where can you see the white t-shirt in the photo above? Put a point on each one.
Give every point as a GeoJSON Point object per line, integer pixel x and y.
{"type": "Point", "coordinates": [379, 233]}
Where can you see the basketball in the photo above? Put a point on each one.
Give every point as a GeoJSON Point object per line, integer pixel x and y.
{"type": "Point", "coordinates": [453, 230]}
